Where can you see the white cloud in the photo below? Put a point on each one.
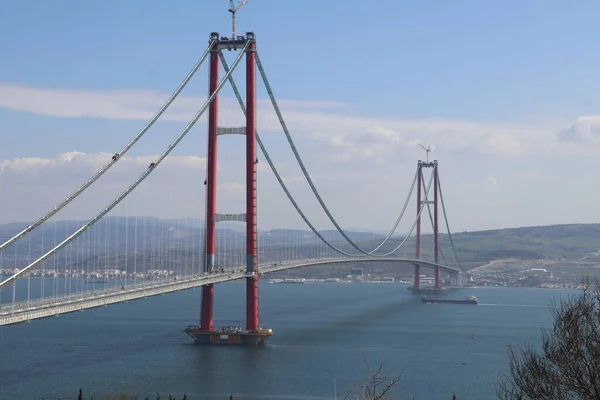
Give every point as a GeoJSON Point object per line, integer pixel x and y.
{"type": "Point", "coordinates": [503, 144]}
{"type": "Point", "coordinates": [66, 167]}
{"type": "Point", "coordinates": [586, 129]}
{"type": "Point", "coordinates": [32, 186]}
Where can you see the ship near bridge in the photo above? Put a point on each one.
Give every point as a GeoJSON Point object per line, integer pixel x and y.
{"type": "Point", "coordinates": [469, 300]}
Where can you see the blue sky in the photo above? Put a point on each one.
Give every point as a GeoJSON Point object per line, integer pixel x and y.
{"type": "Point", "coordinates": [490, 85]}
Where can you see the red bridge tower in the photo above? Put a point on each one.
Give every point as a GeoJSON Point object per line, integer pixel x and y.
{"type": "Point", "coordinates": [205, 332]}
{"type": "Point", "coordinates": [423, 209]}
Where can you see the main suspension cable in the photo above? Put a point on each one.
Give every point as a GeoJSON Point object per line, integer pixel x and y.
{"type": "Point", "coordinates": [412, 187]}
{"type": "Point", "coordinates": [114, 158]}
{"type": "Point", "coordinates": [448, 225]}
{"type": "Point", "coordinates": [293, 201]}
{"type": "Point", "coordinates": [139, 180]}
{"type": "Point", "coordinates": [413, 225]}
{"type": "Point", "coordinates": [299, 159]}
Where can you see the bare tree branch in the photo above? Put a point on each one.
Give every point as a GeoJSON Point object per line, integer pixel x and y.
{"type": "Point", "coordinates": [376, 386]}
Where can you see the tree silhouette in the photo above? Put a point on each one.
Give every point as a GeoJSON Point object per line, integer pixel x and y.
{"type": "Point", "coordinates": [375, 387]}
{"type": "Point", "coordinates": [568, 365]}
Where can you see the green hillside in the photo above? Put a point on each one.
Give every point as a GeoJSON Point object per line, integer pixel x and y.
{"type": "Point", "coordinates": [569, 242]}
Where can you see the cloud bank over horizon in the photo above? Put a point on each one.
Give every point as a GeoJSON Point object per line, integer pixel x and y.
{"type": "Point", "coordinates": [494, 174]}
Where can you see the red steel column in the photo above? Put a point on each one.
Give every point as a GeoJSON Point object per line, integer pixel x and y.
{"type": "Point", "coordinates": [252, 251]}
{"type": "Point", "coordinates": [206, 318]}
{"type": "Point", "coordinates": [436, 234]}
{"type": "Point", "coordinates": [417, 284]}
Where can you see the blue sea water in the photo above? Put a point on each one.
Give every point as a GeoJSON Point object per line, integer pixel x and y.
{"type": "Point", "coordinates": [324, 334]}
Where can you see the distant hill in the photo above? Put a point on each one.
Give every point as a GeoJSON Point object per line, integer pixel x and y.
{"type": "Point", "coordinates": [569, 242]}
{"type": "Point", "coordinates": [563, 242]}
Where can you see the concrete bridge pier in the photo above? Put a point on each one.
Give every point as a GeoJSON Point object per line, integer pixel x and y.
{"type": "Point", "coordinates": [458, 278]}
{"type": "Point", "coordinates": [454, 279]}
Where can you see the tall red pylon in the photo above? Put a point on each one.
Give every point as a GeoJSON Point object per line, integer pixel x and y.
{"type": "Point", "coordinates": [251, 228]}
{"type": "Point", "coordinates": [205, 333]}
{"type": "Point", "coordinates": [417, 283]}
{"type": "Point", "coordinates": [436, 231]}
{"type": "Point", "coordinates": [206, 316]}
{"type": "Point", "coordinates": [423, 207]}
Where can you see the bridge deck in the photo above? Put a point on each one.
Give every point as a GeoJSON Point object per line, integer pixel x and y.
{"type": "Point", "coordinates": [24, 311]}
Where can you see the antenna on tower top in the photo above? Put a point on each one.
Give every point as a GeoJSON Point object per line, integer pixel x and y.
{"type": "Point", "coordinates": [233, 9]}
{"type": "Point", "coordinates": [427, 150]}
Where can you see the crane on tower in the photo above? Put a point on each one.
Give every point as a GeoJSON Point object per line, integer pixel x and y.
{"type": "Point", "coordinates": [427, 150]}
{"type": "Point", "coordinates": [233, 9]}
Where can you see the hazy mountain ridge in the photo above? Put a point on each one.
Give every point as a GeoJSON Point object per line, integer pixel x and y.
{"type": "Point", "coordinates": [568, 242]}
{"type": "Point", "coordinates": [113, 237]}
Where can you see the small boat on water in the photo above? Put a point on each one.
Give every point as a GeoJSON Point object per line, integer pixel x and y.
{"type": "Point", "coordinates": [469, 300]}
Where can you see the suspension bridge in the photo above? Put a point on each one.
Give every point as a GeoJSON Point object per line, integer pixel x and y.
{"type": "Point", "coordinates": [55, 266]}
